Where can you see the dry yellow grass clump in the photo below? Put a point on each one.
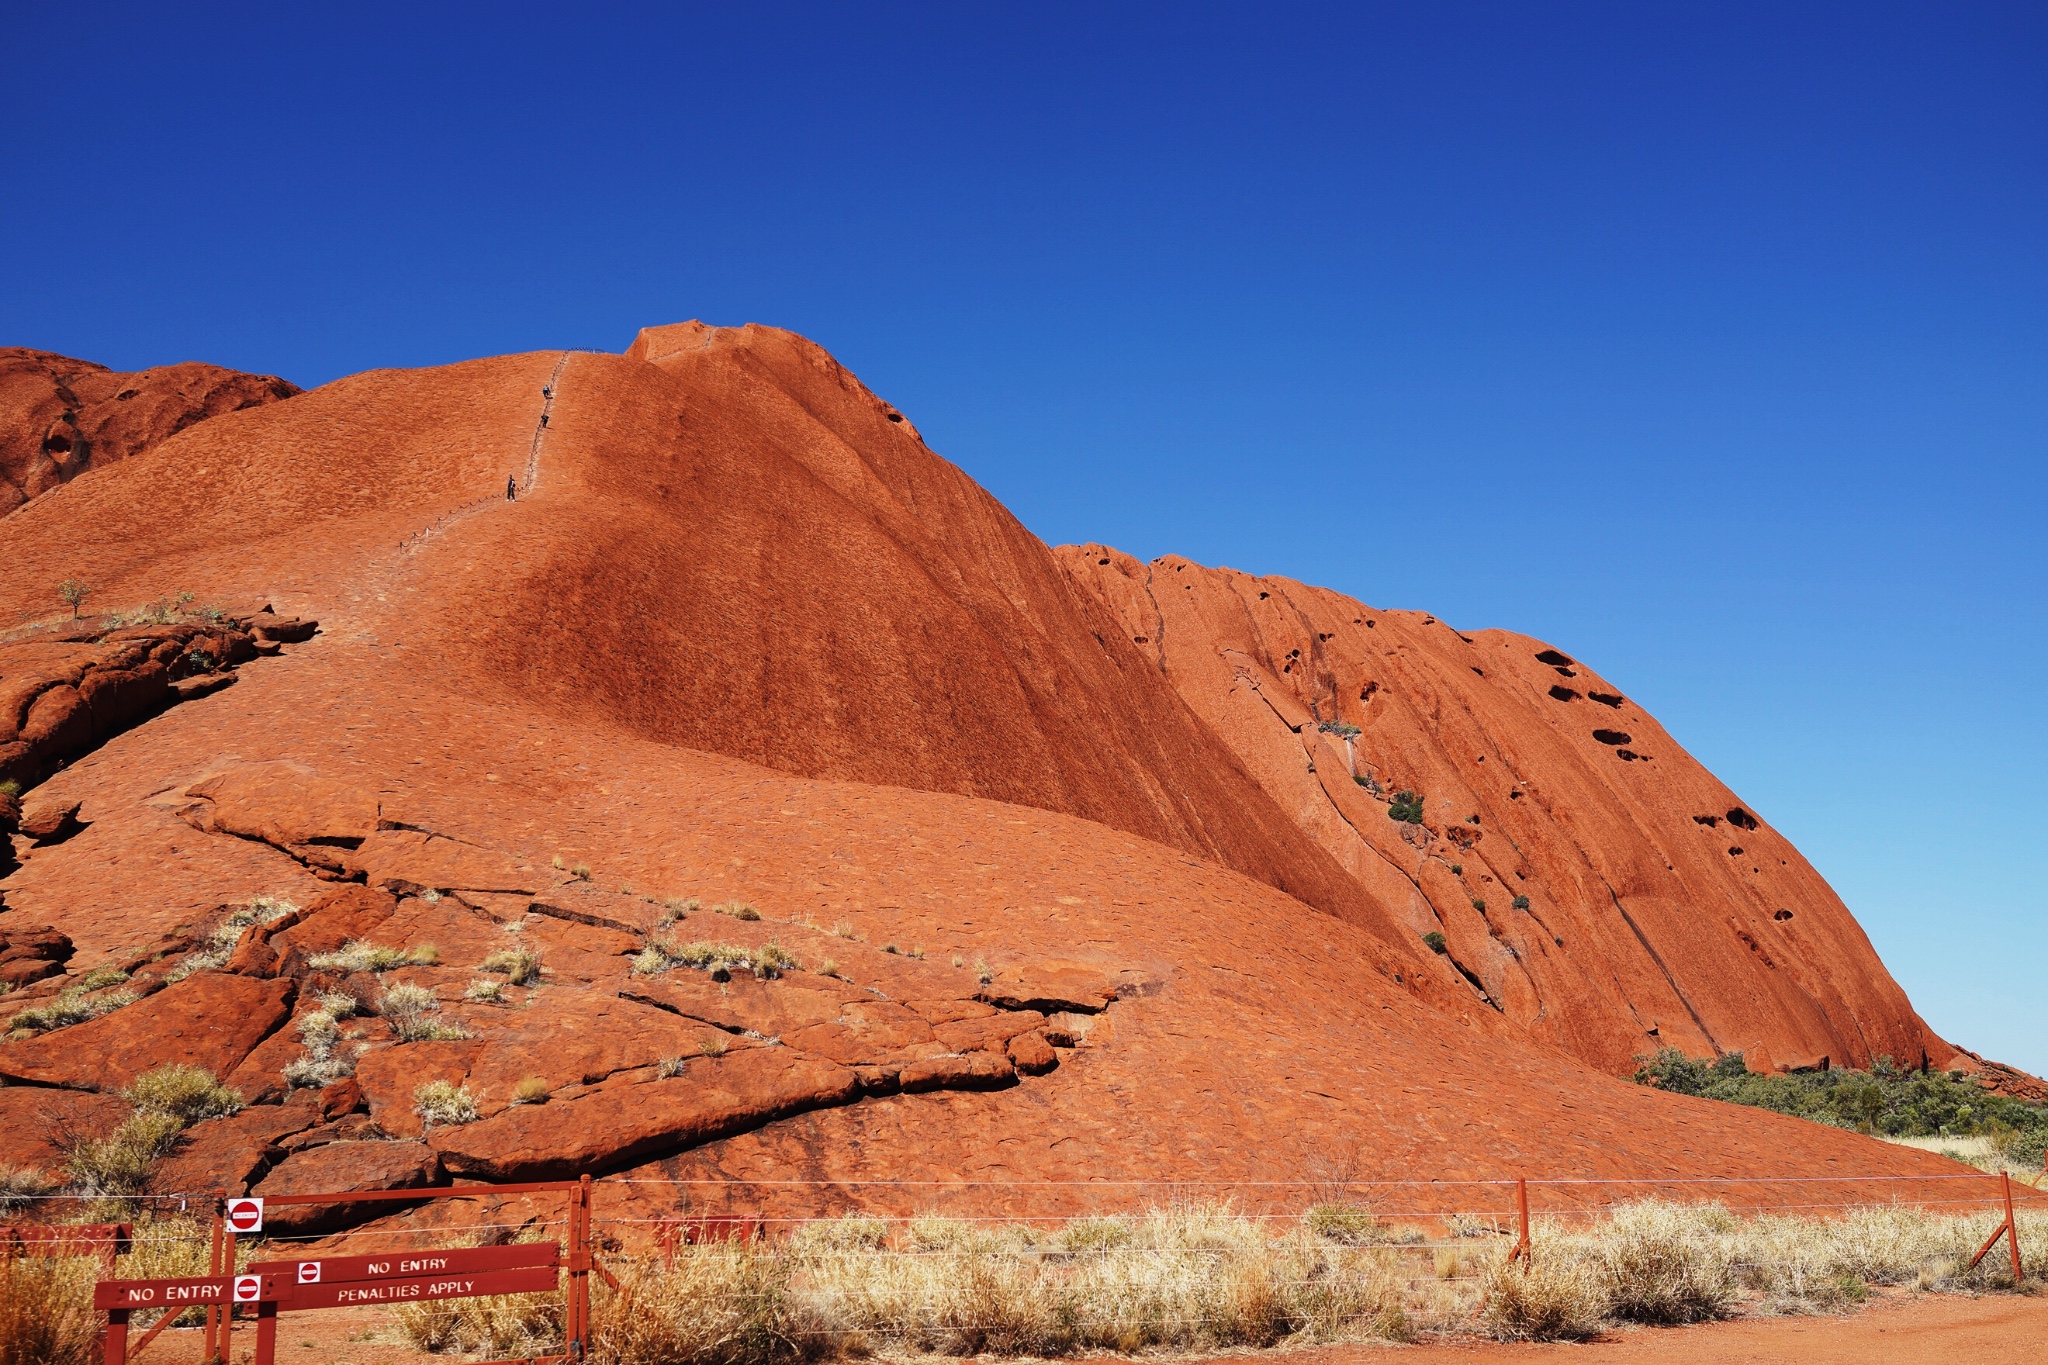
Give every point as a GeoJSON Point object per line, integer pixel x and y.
{"type": "Point", "coordinates": [46, 1315]}
{"type": "Point", "coordinates": [1189, 1277]}
{"type": "Point", "coordinates": [1204, 1278]}
{"type": "Point", "coordinates": [1662, 1262]}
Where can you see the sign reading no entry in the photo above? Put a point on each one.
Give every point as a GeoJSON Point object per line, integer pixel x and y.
{"type": "Point", "coordinates": [245, 1215]}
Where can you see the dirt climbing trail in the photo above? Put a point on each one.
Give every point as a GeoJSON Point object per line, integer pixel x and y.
{"type": "Point", "coordinates": [540, 430]}
{"type": "Point", "coordinates": [384, 569]}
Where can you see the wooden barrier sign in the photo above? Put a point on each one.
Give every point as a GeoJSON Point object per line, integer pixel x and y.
{"type": "Point", "coordinates": [204, 1291]}
{"type": "Point", "coordinates": [65, 1239]}
{"type": "Point", "coordinates": [405, 1265]}
{"type": "Point", "coordinates": [411, 1276]}
{"type": "Point", "coordinates": [271, 1288]}
{"type": "Point", "coordinates": [352, 1293]}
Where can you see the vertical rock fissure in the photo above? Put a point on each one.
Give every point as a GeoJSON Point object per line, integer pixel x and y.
{"type": "Point", "coordinates": [1655, 957]}
{"type": "Point", "coordinates": [1159, 617]}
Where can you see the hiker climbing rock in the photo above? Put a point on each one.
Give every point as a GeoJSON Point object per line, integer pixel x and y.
{"type": "Point", "coordinates": [546, 392]}
{"type": "Point", "coordinates": [543, 419]}
{"type": "Point", "coordinates": [511, 488]}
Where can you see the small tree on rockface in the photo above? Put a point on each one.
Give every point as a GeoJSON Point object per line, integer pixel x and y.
{"type": "Point", "coordinates": [73, 594]}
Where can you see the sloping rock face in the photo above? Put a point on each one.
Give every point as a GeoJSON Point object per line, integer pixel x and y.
{"type": "Point", "coordinates": [60, 417]}
{"type": "Point", "coordinates": [1589, 877]}
{"type": "Point", "coordinates": [741, 666]}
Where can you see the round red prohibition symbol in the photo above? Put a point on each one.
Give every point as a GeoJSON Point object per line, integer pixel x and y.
{"type": "Point", "coordinates": [245, 1215]}
{"type": "Point", "coordinates": [248, 1288]}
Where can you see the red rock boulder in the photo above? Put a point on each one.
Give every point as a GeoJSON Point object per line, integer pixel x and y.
{"type": "Point", "coordinates": [343, 1168]}
{"type": "Point", "coordinates": [621, 1124]}
{"type": "Point", "coordinates": [207, 1020]}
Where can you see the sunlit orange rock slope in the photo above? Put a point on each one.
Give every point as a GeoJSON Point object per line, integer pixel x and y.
{"type": "Point", "coordinates": [1597, 884]}
{"type": "Point", "coordinates": [60, 417]}
{"type": "Point", "coordinates": [1061, 906]}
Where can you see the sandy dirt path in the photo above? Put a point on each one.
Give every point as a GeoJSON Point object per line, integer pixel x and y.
{"type": "Point", "coordinates": [1919, 1329]}
{"type": "Point", "coordinates": [1897, 1329]}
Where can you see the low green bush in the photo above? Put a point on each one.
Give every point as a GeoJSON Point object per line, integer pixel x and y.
{"type": "Point", "coordinates": [1887, 1099]}
{"type": "Point", "coordinates": [520, 967]}
{"type": "Point", "coordinates": [443, 1103]}
{"type": "Point", "coordinates": [119, 1165]}
{"type": "Point", "coordinates": [186, 1093]}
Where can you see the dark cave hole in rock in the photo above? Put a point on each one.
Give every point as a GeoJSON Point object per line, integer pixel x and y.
{"type": "Point", "coordinates": [57, 443]}
{"type": "Point", "coordinates": [1781, 915]}
{"type": "Point", "coordinates": [1566, 673]}
{"type": "Point", "coordinates": [1741, 819]}
{"type": "Point", "coordinates": [1553, 658]}
{"type": "Point", "coordinates": [125, 394]}
{"type": "Point", "coordinates": [1102, 561]}
{"type": "Point", "coordinates": [1514, 796]}
{"type": "Point", "coordinates": [1627, 755]}
{"type": "Point", "coordinates": [1708, 820]}
{"type": "Point", "coordinates": [1605, 698]}
{"type": "Point", "coordinates": [1563, 693]}
{"type": "Point", "coordinates": [1736, 851]}
{"type": "Point", "coordinates": [1611, 736]}
{"type": "Point", "coordinates": [1369, 625]}
{"type": "Point", "coordinates": [1480, 671]}
{"type": "Point", "coordinates": [1141, 639]}
{"type": "Point", "coordinates": [895, 416]}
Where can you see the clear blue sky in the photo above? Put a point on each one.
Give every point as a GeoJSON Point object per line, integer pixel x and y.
{"type": "Point", "coordinates": [1705, 341]}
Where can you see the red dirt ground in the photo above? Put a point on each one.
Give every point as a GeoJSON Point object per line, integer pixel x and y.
{"type": "Point", "coordinates": [1925, 1329]}
{"type": "Point", "coordinates": [1922, 1329]}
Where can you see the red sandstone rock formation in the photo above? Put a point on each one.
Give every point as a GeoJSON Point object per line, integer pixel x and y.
{"type": "Point", "coordinates": [60, 417]}
{"type": "Point", "coordinates": [1596, 883]}
{"type": "Point", "coordinates": [1057, 912]}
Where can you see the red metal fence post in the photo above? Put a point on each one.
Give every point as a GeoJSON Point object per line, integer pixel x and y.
{"type": "Point", "coordinates": [266, 1332]}
{"type": "Point", "coordinates": [227, 1310]}
{"type": "Point", "coordinates": [1522, 1250]}
{"type": "Point", "coordinates": [2008, 1228]}
{"type": "Point", "coordinates": [2012, 1229]}
{"type": "Point", "coordinates": [117, 1337]}
{"type": "Point", "coordinates": [577, 1301]}
{"type": "Point", "coordinates": [213, 1350]}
